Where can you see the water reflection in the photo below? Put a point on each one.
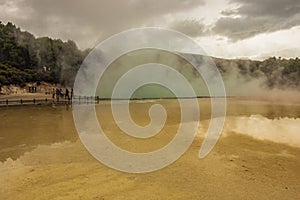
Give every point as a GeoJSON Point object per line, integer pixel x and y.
{"type": "Point", "coordinates": [23, 128]}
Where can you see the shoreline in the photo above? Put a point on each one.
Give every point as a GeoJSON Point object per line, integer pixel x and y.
{"type": "Point", "coordinates": [271, 99]}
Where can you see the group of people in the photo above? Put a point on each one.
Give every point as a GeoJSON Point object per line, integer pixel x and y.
{"type": "Point", "coordinates": [58, 93]}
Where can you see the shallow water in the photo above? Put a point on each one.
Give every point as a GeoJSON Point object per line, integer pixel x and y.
{"type": "Point", "coordinates": [23, 128]}
{"type": "Point", "coordinates": [33, 138]}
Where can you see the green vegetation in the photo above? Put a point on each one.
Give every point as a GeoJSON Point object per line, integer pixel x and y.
{"type": "Point", "coordinates": [23, 58]}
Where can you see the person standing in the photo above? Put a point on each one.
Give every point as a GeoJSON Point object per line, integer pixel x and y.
{"type": "Point", "coordinates": [61, 93]}
{"type": "Point", "coordinates": [53, 93]}
{"type": "Point", "coordinates": [57, 94]}
{"type": "Point", "coordinates": [71, 93]}
{"type": "Point", "coordinates": [67, 94]}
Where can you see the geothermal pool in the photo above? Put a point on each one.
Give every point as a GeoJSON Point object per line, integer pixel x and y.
{"type": "Point", "coordinates": [257, 156]}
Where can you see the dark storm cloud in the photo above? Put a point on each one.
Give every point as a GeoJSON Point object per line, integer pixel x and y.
{"type": "Point", "coordinates": [85, 20]}
{"type": "Point", "coordinates": [258, 16]}
{"type": "Point", "coordinates": [193, 28]}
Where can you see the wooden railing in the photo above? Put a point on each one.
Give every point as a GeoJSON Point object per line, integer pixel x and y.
{"type": "Point", "coordinates": [40, 101]}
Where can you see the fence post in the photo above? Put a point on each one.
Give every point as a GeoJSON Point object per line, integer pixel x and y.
{"type": "Point", "coordinates": [6, 101]}
{"type": "Point", "coordinates": [34, 100]}
{"type": "Point", "coordinates": [21, 101]}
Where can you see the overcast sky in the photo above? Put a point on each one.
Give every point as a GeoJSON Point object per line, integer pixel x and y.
{"type": "Point", "coordinates": [224, 28]}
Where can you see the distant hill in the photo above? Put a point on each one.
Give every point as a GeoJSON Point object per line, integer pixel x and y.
{"type": "Point", "coordinates": [271, 73]}
{"type": "Point", "coordinates": [283, 53]}
{"type": "Point", "coordinates": [24, 58]}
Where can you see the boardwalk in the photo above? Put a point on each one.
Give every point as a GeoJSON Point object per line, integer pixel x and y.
{"type": "Point", "coordinates": [45, 101]}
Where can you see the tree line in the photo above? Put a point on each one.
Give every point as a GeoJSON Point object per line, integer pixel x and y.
{"type": "Point", "coordinates": [24, 58]}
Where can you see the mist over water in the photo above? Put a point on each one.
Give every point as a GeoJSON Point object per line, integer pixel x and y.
{"type": "Point", "coordinates": [270, 78]}
{"type": "Point", "coordinates": [129, 61]}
